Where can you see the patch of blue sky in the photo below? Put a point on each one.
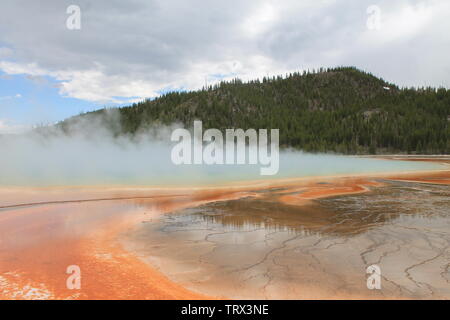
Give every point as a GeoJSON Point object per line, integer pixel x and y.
{"type": "Point", "coordinates": [222, 76]}
{"type": "Point", "coordinates": [29, 100]}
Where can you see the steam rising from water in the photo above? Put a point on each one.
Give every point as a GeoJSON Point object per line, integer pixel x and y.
{"type": "Point", "coordinates": [88, 153]}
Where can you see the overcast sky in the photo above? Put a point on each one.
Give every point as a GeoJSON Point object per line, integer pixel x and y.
{"type": "Point", "coordinates": [130, 50]}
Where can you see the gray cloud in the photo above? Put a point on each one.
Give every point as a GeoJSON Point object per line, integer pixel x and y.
{"type": "Point", "coordinates": [136, 48]}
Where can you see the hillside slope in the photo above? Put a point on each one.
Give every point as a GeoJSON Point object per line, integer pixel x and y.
{"type": "Point", "coordinates": [341, 109]}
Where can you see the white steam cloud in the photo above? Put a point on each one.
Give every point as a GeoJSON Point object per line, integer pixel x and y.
{"type": "Point", "coordinates": [87, 152]}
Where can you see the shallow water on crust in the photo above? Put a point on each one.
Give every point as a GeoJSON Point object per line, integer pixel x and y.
{"type": "Point", "coordinates": [260, 248]}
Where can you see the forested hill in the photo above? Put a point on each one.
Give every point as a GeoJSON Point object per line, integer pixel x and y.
{"type": "Point", "coordinates": [342, 109]}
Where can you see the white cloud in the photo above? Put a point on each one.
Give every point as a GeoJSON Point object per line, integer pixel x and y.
{"type": "Point", "coordinates": [5, 52]}
{"type": "Point", "coordinates": [401, 23]}
{"type": "Point", "coordinates": [127, 51]}
{"type": "Point", "coordinates": [261, 20]}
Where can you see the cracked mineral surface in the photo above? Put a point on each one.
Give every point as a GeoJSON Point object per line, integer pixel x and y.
{"type": "Point", "coordinates": [260, 247]}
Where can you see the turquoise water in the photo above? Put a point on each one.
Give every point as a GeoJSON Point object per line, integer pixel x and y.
{"type": "Point", "coordinates": [151, 165]}
{"type": "Point", "coordinates": [96, 159]}
{"type": "Point", "coordinates": [295, 165]}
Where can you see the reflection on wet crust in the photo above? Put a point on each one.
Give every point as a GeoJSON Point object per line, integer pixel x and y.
{"type": "Point", "coordinates": [261, 247]}
{"type": "Point", "coordinates": [38, 243]}
{"type": "Point", "coordinates": [236, 241]}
